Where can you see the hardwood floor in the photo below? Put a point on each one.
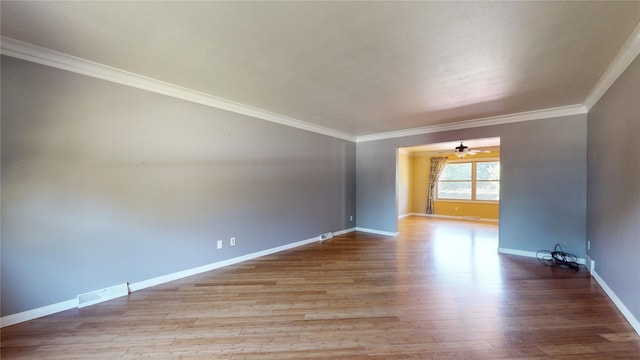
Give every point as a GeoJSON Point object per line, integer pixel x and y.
{"type": "Point", "coordinates": [437, 291]}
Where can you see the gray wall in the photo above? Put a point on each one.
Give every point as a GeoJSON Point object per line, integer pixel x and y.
{"type": "Point", "coordinates": [543, 186]}
{"type": "Point", "coordinates": [613, 215]}
{"type": "Point", "coordinates": [104, 184]}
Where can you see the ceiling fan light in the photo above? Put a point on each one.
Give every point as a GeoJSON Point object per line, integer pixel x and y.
{"type": "Point", "coordinates": [461, 151]}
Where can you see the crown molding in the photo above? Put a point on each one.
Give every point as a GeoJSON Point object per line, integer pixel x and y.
{"type": "Point", "coordinates": [40, 55]}
{"type": "Point", "coordinates": [43, 56]}
{"type": "Point", "coordinates": [618, 65]}
{"type": "Point", "coordinates": [488, 121]}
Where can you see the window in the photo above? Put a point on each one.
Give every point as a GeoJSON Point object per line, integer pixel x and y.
{"type": "Point", "coordinates": [455, 182]}
{"type": "Point", "coordinates": [487, 180]}
{"type": "Point", "coordinates": [474, 180]}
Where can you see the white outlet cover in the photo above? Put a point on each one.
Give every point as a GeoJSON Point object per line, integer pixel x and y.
{"type": "Point", "coordinates": [219, 244]}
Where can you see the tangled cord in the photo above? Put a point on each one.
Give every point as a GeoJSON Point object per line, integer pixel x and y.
{"type": "Point", "coordinates": [558, 257]}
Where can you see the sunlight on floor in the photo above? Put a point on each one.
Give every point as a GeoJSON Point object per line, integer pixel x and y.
{"type": "Point", "coordinates": [463, 253]}
{"type": "Point", "coordinates": [470, 252]}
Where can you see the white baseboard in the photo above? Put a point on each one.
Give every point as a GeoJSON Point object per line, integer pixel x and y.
{"type": "Point", "coordinates": [345, 231]}
{"type": "Point", "coordinates": [38, 312]}
{"type": "Point", "coordinates": [73, 303]}
{"type": "Point", "coordinates": [377, 232]}
{"type": "Point", "coordinates": [531, 254]}
{"type": "Point", "coordinates": [200, 269]}
{"type": "Point", "coordinates": [590, 264]}
{"type": "Point", "coordinates": [635, 324]}
{"type": "Point", "coordinates": [423, 214]}
{"type": "Point", "coordinates": [468, 218]}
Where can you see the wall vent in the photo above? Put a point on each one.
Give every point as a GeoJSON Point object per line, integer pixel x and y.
{"type": "Point", "coordinates": [590, 264]}
{"type": "Point", "coordinates": [326, 236]}
{"type": "Point", "coordinates": [101, 295]}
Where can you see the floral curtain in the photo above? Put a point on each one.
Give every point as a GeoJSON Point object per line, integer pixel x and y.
{"type": "Point", "coordinates": [437, 165]}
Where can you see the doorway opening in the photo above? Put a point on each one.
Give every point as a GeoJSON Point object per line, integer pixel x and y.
{"type": "Point", "coordinates": [441, 181]}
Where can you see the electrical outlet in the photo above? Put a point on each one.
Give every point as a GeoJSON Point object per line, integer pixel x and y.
{"type": "Point", "coordinates": [219, 244]}
{"type": "Point", "coordinates": [232, 241]}
{"type": "Point", "coordinates": [351, 218]}
{"type": "Point", "coordinates": [588, 245]}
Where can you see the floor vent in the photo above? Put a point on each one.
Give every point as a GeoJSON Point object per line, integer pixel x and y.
{"type": "Point", "coordinates": [101, 295]}
{"type": "Point", "coordinates": [326, 236]}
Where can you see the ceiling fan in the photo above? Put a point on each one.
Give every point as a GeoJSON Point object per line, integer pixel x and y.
{"type": "Point", "coordinates": [462, 151]}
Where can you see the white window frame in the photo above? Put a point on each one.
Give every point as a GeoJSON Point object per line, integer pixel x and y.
{"type": "Point", "coordinates": [473, 182]}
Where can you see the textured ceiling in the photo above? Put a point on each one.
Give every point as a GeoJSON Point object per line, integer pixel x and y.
{"type": "Point", "coordinates": [357, 67]}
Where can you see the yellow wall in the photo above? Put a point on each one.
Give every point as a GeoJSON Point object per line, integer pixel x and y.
{"type": "Point", "coordinates": [404, 184]}
{"type": "Point", "coordinates": [420, 166]}
{"type": "Point", "coordinates": [473, 209]}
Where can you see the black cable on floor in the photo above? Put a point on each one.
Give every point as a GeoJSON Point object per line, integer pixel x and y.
{"type": "Point", "coordinates": [558, 257]}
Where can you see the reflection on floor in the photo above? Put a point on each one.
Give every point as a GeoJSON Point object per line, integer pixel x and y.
{"type": "Point", "coordinates": [439, 290]}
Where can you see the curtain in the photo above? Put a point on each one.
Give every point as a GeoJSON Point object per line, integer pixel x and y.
{"type": "Point", "coordinates": [437, 165]}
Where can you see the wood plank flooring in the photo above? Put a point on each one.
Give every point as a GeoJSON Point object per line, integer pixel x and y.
{"type": "Point", "coordinates": [437, 291]}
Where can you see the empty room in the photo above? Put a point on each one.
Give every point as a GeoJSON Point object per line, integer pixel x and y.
{"type": "Point", "coordinates": [320, 180]}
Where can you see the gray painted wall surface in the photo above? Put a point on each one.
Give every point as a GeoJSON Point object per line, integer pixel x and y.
{"type": "Point", "coordinates": [543, 187]}
{"type": "Point", "coordinates": [613, 215]}
{"type": "Point", "coordinates": [104, 184]}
